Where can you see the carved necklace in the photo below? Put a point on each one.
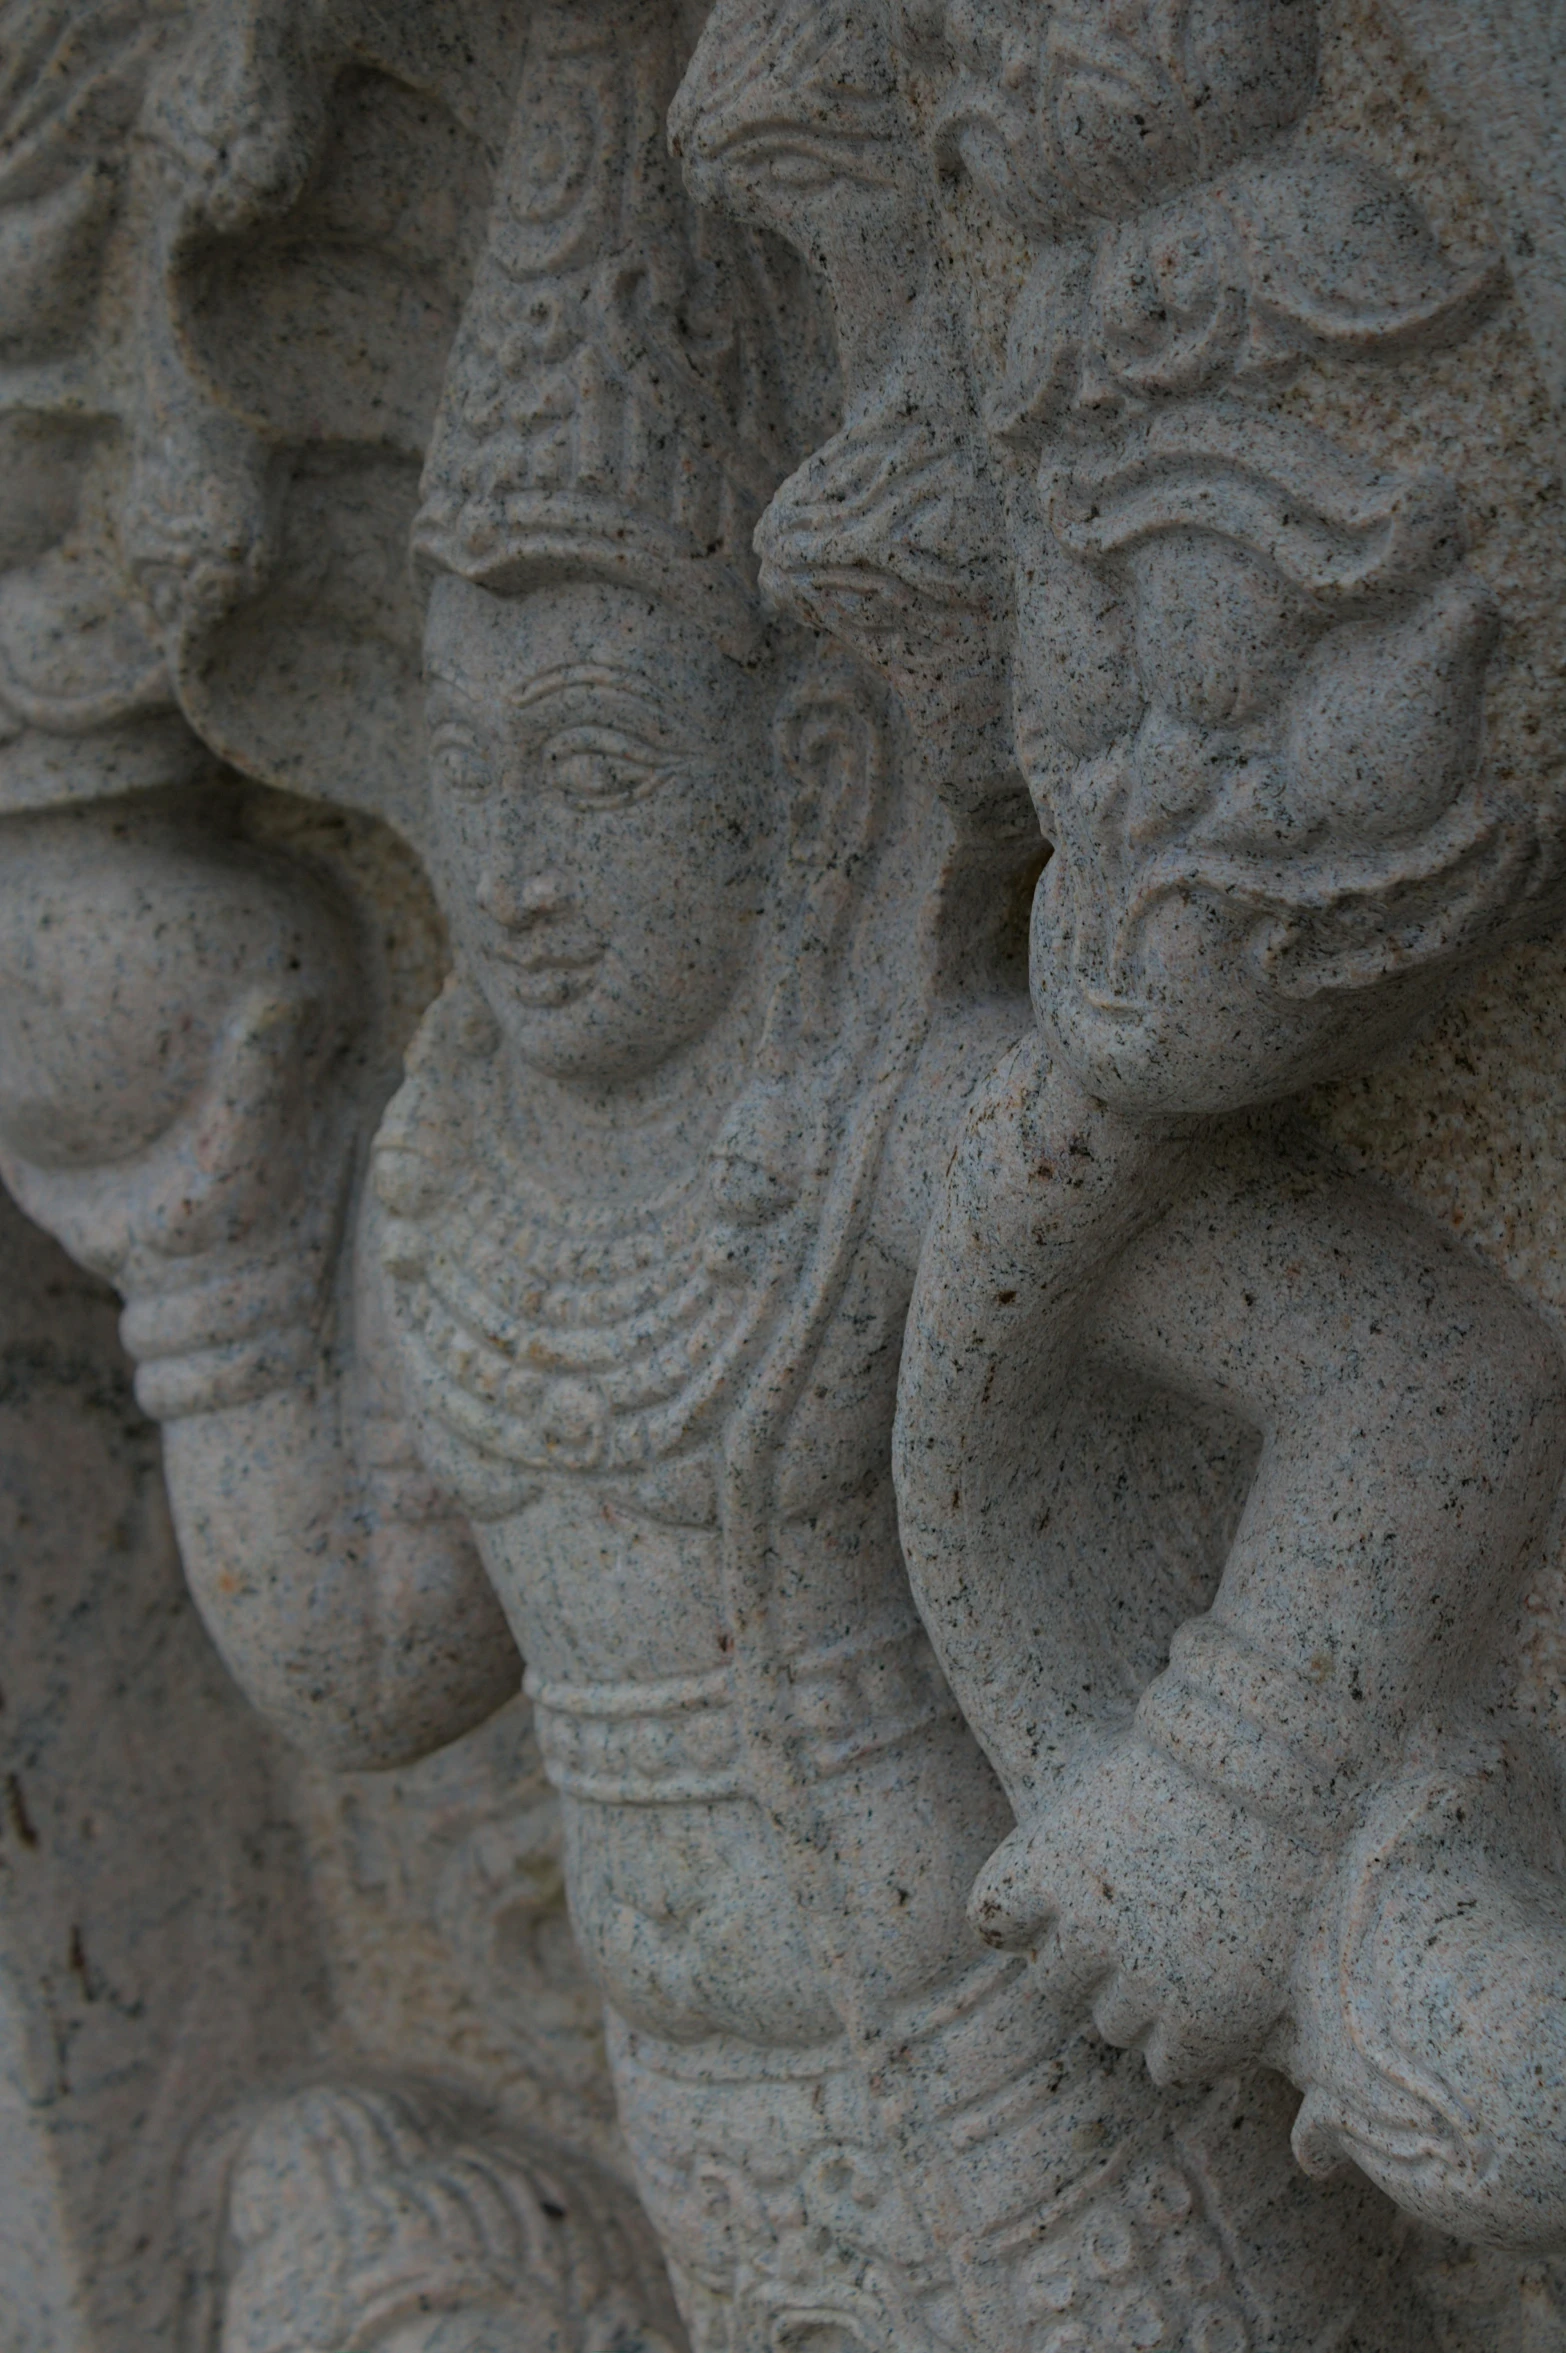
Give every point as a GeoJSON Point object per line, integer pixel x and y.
{"type": "Point", "coordinates": [543, 1334]}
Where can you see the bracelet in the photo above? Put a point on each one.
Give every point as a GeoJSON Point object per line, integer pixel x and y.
{"type": "Point", "coordinates": [1259, 1731]}
{"type": "Point", "coordinates": [239, 1302]}
{"type": "Point", "coordinates": [210, 1380]}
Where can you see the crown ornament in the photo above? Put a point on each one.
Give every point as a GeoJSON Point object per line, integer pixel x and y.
{"type": "Point", "coordinates": [619, 400]}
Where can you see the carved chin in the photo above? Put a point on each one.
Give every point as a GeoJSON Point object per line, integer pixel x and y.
{"type": "Point", "coordinates": [548, 1019]}
{"type": "Point", "coordinates": [571, 1023]}
{"type": "Point", "coordinates": [1127, 1058]}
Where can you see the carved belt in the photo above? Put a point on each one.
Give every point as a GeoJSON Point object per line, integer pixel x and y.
{"type": "Point", "coordinates": [680, 1742]}
{"type": "Point", "coordinates": [1021, 2124]}
{"type": "Point", "coordinates": [640, 1744]}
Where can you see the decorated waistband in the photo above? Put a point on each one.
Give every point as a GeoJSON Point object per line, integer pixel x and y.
{"type": "Point", "coordinates": [680, 1742]}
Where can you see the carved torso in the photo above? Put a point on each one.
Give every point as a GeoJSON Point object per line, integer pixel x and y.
{"type": "Point", "coordinates": [1012, 1542]}
{"type": "Point", "coordinates": [573, 1371]}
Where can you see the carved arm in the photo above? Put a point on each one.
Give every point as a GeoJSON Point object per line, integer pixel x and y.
{"type": "Point", "coordinates": [1413, 1417]}
{"type": "Point", "coordinates": [1206, 1853]}
{"type": "Point", "coordinates": [182, 1105]}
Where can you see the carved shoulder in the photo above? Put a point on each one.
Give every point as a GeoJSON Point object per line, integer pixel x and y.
{"type": "Point", "coordinates": [964, 1044]}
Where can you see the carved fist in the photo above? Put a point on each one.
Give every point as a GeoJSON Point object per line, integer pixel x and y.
{"type": "Point", "coordinates": [1430, 1998]}
{"type": "Point", "coordinates": [172, 1010]}
{"type": "Point", "coordinates": [1175, 1907]}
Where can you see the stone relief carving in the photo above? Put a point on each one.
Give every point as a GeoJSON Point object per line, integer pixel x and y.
{"type": "Point", "coordinates": [1239, 748]}
{"type": "Point", "coordinates": [386, 2217]}
{"type": "Point", "coordinates": [468, 1845]}
{"type": "Point", "coordinates": [874, 460]}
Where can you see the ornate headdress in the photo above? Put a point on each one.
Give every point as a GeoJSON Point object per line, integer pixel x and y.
{"type": "Point", "coordinates": [621, 397]}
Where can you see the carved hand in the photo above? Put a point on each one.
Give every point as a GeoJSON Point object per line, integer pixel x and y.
{"type": "Point", "coordinates": [167, 1102]}
{"type": "Point", "coordinates": [179, 1106]}
{"type": "Point", "coordinates": [1169, 1906]}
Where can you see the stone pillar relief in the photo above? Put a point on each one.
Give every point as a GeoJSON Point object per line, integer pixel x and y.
{"type": "Point", "coordinates": [781, 886]}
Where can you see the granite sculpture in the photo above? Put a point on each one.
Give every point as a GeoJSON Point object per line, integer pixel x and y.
{"type": "Point", "coordinates": [757, 766]}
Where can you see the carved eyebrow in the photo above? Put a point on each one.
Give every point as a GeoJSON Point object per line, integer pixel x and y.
{"type": "Point", "coordinates": [552, 685]}
{"type": "Point", "coordinates": [580, 674]}
{"type": "Point", "coordinates": [590, 690]}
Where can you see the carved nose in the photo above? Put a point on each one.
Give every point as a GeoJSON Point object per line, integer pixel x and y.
{"type": "Point", "coordinates": [518, 910]}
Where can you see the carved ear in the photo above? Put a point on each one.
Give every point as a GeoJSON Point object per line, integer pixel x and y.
{"type": "Point", "coordinates": [830, 744]}
{"type": "Point", "coordinates": [829, 737]}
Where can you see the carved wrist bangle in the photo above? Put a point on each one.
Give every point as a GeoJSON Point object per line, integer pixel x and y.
{"type": "Point", "coordinates": [209, 1380]}
{"type": "Point", "coordinates": [1259, 1731]}
{"type": "Point", "coordinates": [216, 1312]}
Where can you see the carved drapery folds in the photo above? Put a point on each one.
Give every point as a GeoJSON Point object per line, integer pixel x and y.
{"type": "Point", "coordinates": [1014, 1543]}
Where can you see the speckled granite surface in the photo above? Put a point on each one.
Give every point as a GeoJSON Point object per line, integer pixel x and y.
{"type": "Point", "coordinates": [780, 872]}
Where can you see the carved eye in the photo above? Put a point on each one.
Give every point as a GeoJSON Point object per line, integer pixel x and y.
{"type": "Point", "coordinates": [458, 763]}
{"type": "Point", "coordinates": [602, 767]}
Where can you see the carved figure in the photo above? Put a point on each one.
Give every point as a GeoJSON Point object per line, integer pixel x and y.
{"type": "Point", "coordinates": [636, 1253]}
{"type": "Point", "coordinates": [750, 712]}
{"type": "Point", "coordinates": [194, 1043]}
{"type": "Point", "coordinates": [1248, 695]}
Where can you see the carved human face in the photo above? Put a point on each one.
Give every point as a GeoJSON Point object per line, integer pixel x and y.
{"type": "Point", "coordinates": [602, 808]}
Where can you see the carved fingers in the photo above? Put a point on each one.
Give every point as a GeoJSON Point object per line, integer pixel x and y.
{"type": "Point", "coordinates": [175, 1102]}
{"type": "Point", "coordinates": [1162, 1904]}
